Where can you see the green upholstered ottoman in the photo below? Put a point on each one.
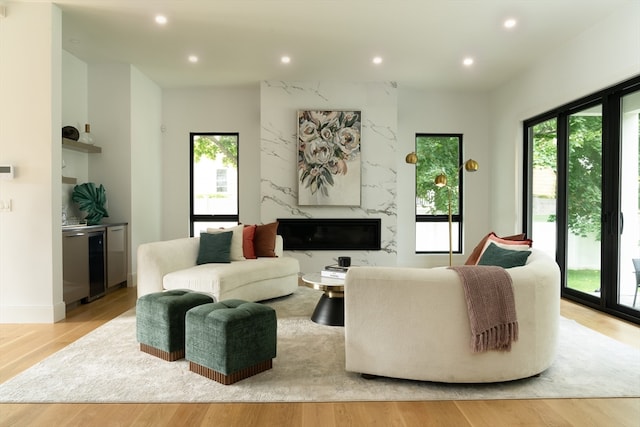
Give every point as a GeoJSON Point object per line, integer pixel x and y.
{"type": "Point", "coordinates": [160, 321]}
{"type": "Point", "coordinates": [230, 340]}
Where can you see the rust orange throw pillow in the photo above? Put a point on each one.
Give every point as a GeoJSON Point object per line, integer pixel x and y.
{"type": "Point", "coordinates": [516, 239]}
{"type": "Point", "coordinates": [248, 250]}
{"type": "Point", "coordinates": [264, 240]}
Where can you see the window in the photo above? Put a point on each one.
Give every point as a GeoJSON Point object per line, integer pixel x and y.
{"type": "Point", "coordinates": [438, 154]}
{"type": "Point", "coordinates": [214, 181]}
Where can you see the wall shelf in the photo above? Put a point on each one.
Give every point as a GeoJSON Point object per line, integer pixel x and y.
{"type": "Point", "coordinates": [80, 146]}
{"type": "Point", "coordinates": [70, 144]}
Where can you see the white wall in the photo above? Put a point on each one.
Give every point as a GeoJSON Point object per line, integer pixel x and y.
{"type": "Point", "coordinates": [208, 110]}
{"type": "Point", "coordinates": [110, 118]}
{"type": "Point", "coordinates": [439, 111]}
{"type": "Point", "coordinates": [75, 99]}
{"type": "Point", "coordinates": [30, 123]}
{"type": "Point", "coordinates": [145, 218]}
{"type": "Point", "coordinates": [607, 53]}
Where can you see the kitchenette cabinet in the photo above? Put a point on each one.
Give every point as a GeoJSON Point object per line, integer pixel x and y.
{"type": "Point", "coordinates": [117, 255]}
{"type": "Point", "coordinates": [95, 259]}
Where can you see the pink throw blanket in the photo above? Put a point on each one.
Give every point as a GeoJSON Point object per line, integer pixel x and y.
{"type": "Point", "coordinates": [492, 310]}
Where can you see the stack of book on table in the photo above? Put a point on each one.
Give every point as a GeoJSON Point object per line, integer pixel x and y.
{"type": "Point", "coordinates": [334, 271]}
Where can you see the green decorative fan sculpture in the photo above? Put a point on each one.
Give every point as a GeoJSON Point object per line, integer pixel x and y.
{"type": "Point", "coordinates": [91, 199]}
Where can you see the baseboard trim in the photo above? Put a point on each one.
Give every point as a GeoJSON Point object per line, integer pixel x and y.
{"type": "Point", "coordinates": [33, 314]}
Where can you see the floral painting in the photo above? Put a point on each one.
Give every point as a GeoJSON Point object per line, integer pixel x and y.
{"type": "Point", "coordinates": [329, 157]}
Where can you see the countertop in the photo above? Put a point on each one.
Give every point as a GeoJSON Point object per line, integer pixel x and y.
{"type": "Point", "coordinates": [79, 227]}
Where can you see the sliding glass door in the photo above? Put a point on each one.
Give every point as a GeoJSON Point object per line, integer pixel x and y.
{"type": "Point", "coordinates": [583, 206]}
{"type": "Point", "coordinates": [573, 169]}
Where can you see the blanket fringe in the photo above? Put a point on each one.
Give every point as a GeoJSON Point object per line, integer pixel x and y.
{"type": "Point", "coordinates": [498, 338]}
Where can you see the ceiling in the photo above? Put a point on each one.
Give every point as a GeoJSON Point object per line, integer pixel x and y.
{"type": "Point", "coordinates": [240, 42]}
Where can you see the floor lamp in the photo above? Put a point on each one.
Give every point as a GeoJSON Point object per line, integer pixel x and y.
{"type": "Point", "coordinates": [441, 181]}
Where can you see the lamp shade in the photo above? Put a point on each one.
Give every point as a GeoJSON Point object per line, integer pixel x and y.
{"type": "Point", "coordinates": [441, 180]}
{"type": "Point", "coordinates": [411, 158]}
{"type": "Point", "coordinates": [471, 165]}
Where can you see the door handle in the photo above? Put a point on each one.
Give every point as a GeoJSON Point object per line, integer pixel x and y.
{"type": "Point", "coordinates": [621, 222]}
{"type": "Point", "coordinates": [607, 220]}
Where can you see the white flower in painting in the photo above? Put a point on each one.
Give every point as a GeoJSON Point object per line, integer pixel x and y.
{"type": "Point", "coordinates": [317, 152]}
{"type": "Point", "coordinates": [308, 131]}
{"type": "Point", "coordinates": [348, 140]}
{"type": "Point", "coordinates": [326, 133]}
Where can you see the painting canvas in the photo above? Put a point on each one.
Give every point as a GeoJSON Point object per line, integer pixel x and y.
{"type": "Point", "coordinates": [329, 157]}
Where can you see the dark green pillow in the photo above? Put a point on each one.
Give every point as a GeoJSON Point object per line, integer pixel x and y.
{"type": "Point", "coordinates": [214, 247]}
{"type": "Point", "coordinates": [505, 258]}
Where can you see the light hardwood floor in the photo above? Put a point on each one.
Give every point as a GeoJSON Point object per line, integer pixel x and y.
{"type": "Point", "coordinates": [21, 346]}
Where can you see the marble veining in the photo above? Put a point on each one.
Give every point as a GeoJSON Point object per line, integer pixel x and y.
{"type": "Point", "coordinates": [278, 160]}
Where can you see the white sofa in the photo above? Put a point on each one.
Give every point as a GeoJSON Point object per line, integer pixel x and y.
{"type": "Point", "coordinates": [171, 264]}
{"type": "Point", "coordinates": [413, 323]}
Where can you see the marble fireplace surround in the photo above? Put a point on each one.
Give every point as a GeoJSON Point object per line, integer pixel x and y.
{"type": "Point", "coordinates": [279, 103]}
{"type": "Point", "coordinates": [330, 233]}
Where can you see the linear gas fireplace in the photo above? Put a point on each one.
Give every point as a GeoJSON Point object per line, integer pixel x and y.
{"type": "Point", "coordinates": [330, 234]}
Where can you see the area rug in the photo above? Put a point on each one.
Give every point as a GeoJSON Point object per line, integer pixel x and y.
{"type": "Point", "coordinates": [107, 366]}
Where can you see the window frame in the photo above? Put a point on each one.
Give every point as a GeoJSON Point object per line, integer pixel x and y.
{"type": "Point", "coordinates": [231, 219]}
{"type": "Point", "coordinates": [456, 218]}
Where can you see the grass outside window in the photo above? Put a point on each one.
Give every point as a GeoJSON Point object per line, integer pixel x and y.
{"type": "Point", "coordinates": [587, 281]}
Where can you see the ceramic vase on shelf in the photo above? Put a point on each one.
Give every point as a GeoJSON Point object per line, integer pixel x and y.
{"type": "Point", "coordinates": [86, 135]}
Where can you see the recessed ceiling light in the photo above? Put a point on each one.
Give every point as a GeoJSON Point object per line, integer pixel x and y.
{"type": "Point", "coordinates": [285, 59]}
{"type": "Point", "coordinates": [467, 62]}
{"type": "Point", "coordinates": [193, 58]}
{"type": "Point", "coordinates": [510, 23]}
{"type": "Point", "coordinates": [161, 19]}
{"type": "Point", "coordinates": [377, 60]}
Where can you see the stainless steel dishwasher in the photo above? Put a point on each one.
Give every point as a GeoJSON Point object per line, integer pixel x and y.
{"type": "Point", "coordinates": [83, 265]}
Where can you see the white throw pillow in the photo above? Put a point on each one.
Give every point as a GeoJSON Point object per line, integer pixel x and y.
{"type": "Point", "coordinates": [236, 241]}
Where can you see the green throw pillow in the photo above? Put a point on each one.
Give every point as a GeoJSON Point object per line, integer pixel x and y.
{"type": "Point", "coordinates": [505, 258]}
{"type": "Point", "coordinates": [214, 247]}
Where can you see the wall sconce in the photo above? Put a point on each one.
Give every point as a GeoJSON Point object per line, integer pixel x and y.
{"type": "Point", "coordinates": [441, 181]}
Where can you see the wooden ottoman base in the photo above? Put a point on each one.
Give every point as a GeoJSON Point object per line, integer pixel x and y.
{"type": "Point", "coordinates": [162, 354]}
{"type": "Point", "coordinates": [233, 377]}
